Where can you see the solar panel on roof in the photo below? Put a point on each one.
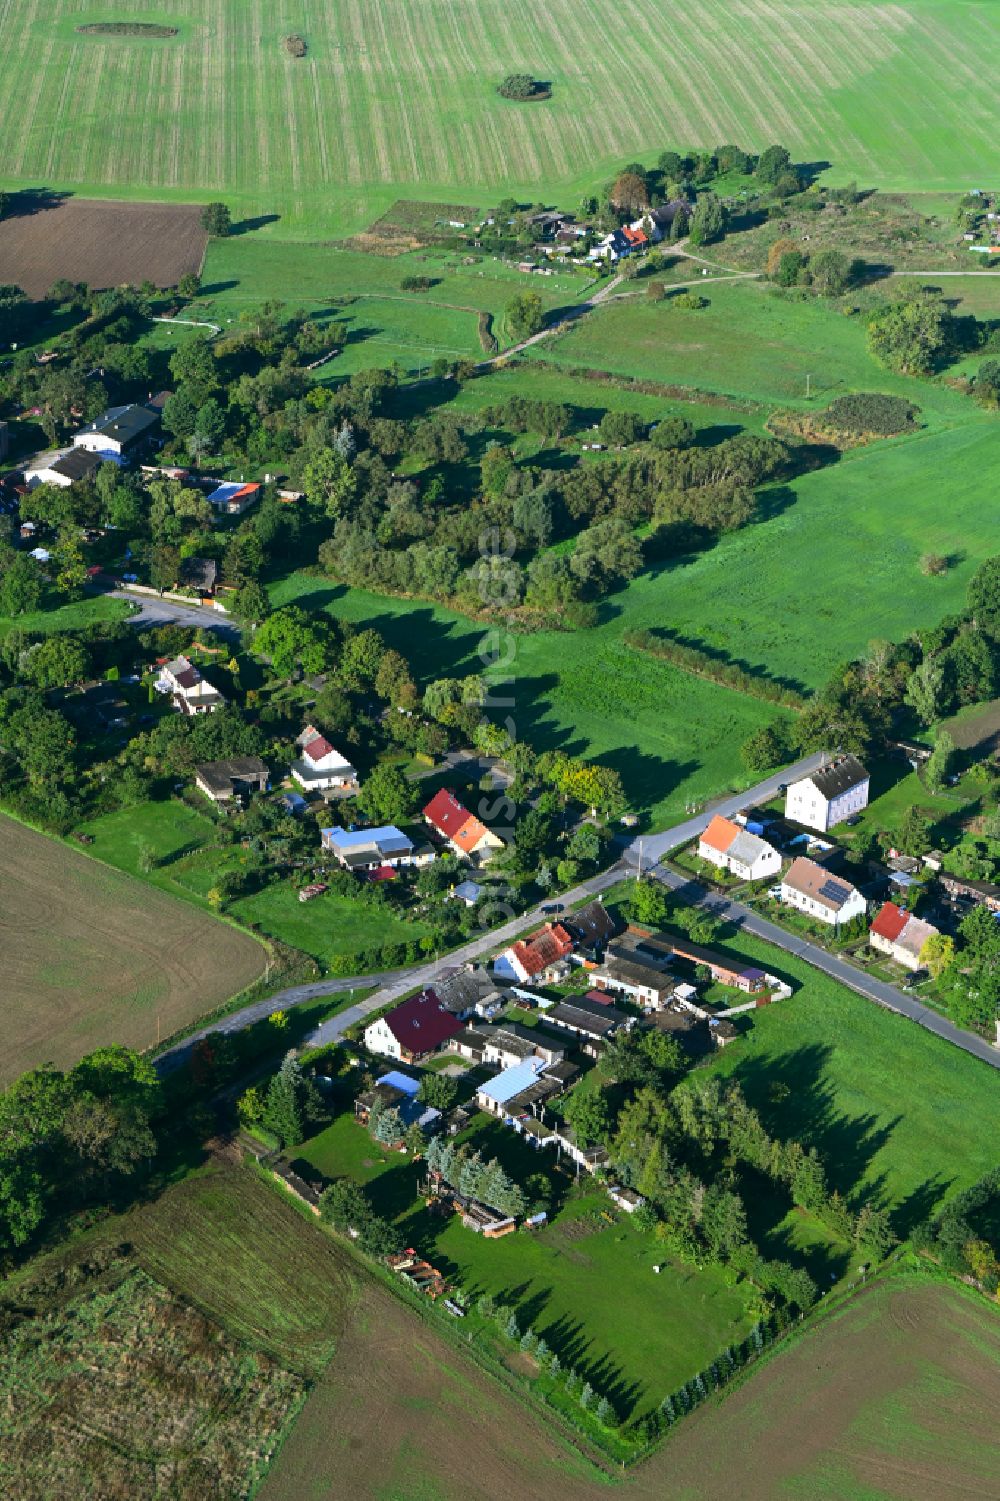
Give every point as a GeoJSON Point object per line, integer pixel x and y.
{"type": "Point", "coordinates": [834, 891]}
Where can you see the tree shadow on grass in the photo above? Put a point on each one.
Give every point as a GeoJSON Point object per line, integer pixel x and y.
{"type": "Point", "coordinates": [796, 1101]}
{"type": "Point", "coordinates": [576, 1350]}
{"type": "Point", "coordinates": [716, 432]}
{"type": "Point", "coordinates": [919, 1205]}
{"type": "Point", "coordinates": [725, 659]}
{"type": "Point", "coordinates": [247, 226]}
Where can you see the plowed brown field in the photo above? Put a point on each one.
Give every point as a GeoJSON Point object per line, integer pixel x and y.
{"type": "Point", "coordinates": [894, 1397]}
{"type": "Point", "coordinates": [90, 956]}
{"type": "Point", "coordinates": [103, 244]}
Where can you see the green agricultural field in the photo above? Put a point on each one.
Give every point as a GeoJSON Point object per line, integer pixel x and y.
{"type": "Point", "coordinates": [392, 97]}
{"type": "Point", "coordinates": [385, 324]}
{"type": "Point", "coordinates": [892, 1108]}
{"type": "Point", "coordinates": [93, 957]}
{"type": "Point", "coordinates": [244, 1255]}
{"type": "Point", "coordinates": [752, 342]}
{"type": "Point", "coordinates": [537, 380]}
{"type": "Point", "coordinates": [888, 1398]}
{"type": "Point", "coordinates": [188, 861]}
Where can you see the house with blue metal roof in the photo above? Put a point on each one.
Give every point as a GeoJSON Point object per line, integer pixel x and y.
{"type": "Point", "coordinates": [365, 849]}
{"type": "Point", "coordinates": [499, 1095]}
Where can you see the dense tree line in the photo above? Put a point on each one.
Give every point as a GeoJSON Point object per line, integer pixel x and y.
{"type": "Point", "coordinates": [71, 1139]}
{"type": "Point", "coordinates": [465, 1171]}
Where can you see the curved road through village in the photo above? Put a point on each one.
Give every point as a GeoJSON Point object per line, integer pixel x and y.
{"type": "Point", "coordinates": [643, 855]}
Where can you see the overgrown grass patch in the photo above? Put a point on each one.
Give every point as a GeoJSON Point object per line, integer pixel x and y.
{"type": "Point", "coordinates": [200, 1407]}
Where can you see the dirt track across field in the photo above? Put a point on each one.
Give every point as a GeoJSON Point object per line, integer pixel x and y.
{"type": "Point", "coordinates": [89, 956]}
{"type": "Point", "coordinates": [101, 243]}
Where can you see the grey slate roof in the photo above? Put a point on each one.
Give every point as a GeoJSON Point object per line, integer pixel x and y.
{"type": "Point", "coordinates": [76, 464]}
{"type": "Point", "coordinates": [123, 424]}
{"type": "Point", "coordinates": [839, 777]}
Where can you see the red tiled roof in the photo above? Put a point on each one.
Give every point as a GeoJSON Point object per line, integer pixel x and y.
{"type": "Point", "coordinates": [543, 948]}
{"type": "Point", "coordinates": [445, 813]}
{"type": "Point", "coordinates": [720, 834]}
{"type": "Point", "coordinates": [419, 1025]}
{"type": "Point", "coordinates": [318, 748]}
{"type": "Point", "coordinates": [634, 236]}
{"type": "Point", "coordinates": [599, 997]}
{"type": "Point", "coordinates": [470, 834]}
{"type": "Point", "coordinates": [382, 873]}
{"type": "Point", "coordinates": [890, 922]}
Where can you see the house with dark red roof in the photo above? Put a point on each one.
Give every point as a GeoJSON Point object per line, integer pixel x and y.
{"type": "Point", "coordinates": [320, 767]}
{"type": "Point", "coordinates": [413, 1029]}
{"type": "Point", "coordinates": [188, 689]}
{"type": "Point", "coordinates": [465, 835]}
{"type": "Point", "coordinates": [541, 957]}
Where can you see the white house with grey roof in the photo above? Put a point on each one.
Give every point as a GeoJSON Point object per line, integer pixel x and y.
{"type": "Point", "coordinates": [828, 796]}
{"type": "Point", "coordinates": [62, 467]}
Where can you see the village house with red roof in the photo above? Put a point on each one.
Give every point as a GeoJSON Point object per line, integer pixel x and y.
{"type": "Point", "coordinates": [413, 1029]}
{"type": "Point", "coordinates": [464, 834]}
{"type": "Point", "coordinates": [899, 934]}
{"type": "Point", "coordinates": [188, 689]}
{"type": "Point", "coordinates": [541, 957]}
{"type": "Point", "coordinates": [321, 768]}
{"type": "Point", "coordinates": [732, 848]}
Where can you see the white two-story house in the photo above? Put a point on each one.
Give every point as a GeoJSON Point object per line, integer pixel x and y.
{"type": "Point", "coordinates": [828, 796]}
{"type": "Point", "coordinates": [321, 767]}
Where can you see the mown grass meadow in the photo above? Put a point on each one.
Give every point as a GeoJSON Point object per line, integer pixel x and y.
{"type": "Point", "coordinates": [391, 96]}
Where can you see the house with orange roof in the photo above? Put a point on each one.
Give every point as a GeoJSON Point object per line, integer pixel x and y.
{"type": "Point", "coordinates": [464, 834]}
{"type": "Point", "coordinates": [541, 957]}
{"type": "Point", "coordinates": [232, 498]}
{"type": "Point", "coordinates": [726, 845]}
